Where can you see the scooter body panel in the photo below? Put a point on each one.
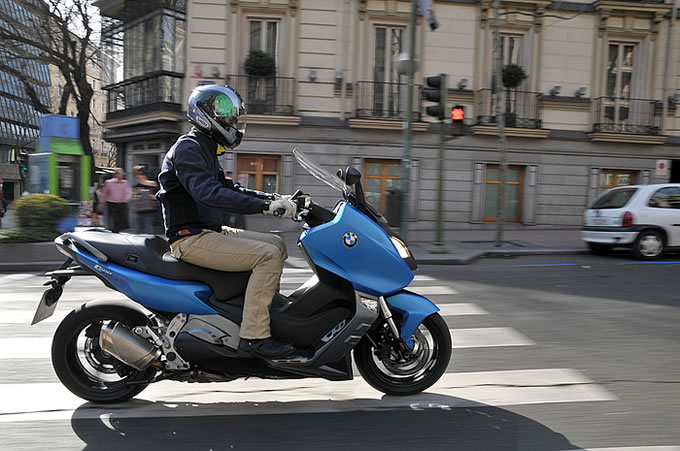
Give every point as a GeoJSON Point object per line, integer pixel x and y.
{"type": "Point", "coordinates": [355, 248]}
{"type": "Point", "coordinates": [156, 293]}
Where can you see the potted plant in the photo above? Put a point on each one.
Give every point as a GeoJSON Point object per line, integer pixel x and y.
{"type": "Point", "coordinates": [260, 67]}
{"type": "Point", "coordinates": [513, 77]}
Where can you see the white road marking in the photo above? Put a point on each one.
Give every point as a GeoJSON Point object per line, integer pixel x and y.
{"type": "Point", "coordinates": [70, 294]}
{"type": "Point", "coordinates": [50, 401]}
{"type": "Point", "coordinates": [484, 337]}
{"type": "Point", "coordinates": [39, 348]}
{"type": "Point", "coordinates": [26, 316]}
{"type": "Point", "coordinates": [433, 290]}
{"type": "Point", "coordinates": [460, 309]}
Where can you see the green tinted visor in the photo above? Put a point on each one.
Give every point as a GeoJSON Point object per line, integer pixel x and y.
{"type": "Point", "coordinates": [233, 113]}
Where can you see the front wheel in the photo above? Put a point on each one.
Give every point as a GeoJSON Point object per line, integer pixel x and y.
{"type": "Point", "coordinates": [387, 368]}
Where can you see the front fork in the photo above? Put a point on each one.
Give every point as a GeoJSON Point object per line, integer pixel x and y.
{"type": "Point", "coordinates": [387, 316]}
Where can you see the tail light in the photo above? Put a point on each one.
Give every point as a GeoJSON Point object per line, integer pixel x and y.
{"type": "Point", "coordinates": [627, 219]}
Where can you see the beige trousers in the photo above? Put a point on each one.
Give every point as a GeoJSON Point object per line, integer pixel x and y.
{"type": "Point", "coordinates": [241, 250]}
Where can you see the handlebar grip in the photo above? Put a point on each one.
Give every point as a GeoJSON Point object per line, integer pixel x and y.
{"type": "Point", "coordinates": [279, 211]}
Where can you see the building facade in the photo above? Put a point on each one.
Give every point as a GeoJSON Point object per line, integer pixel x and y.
{"type": "Point", "coordinates": [19, 121]}
{"type": "Point", "coordinates": [589, 115]}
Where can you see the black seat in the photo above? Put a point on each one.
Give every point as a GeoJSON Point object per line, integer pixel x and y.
{"type": "Point", "coordinates": [151, 254]}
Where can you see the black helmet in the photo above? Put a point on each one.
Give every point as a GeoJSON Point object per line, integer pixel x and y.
{"type": "Point", "coordinates": [219, 112]}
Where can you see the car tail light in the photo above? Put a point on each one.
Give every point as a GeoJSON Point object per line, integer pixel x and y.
{"type": "Point", "coordinates": [627, 219]}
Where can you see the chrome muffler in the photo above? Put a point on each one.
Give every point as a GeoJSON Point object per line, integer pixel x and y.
{"type": "Point", "coordinates": [133, 350]}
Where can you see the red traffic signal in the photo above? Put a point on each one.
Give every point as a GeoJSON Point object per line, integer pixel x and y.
{"type": "Point", "coordinates": [457, 113]}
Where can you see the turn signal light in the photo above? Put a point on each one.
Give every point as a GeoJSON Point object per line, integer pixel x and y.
{"type": "Point", "coordinates": [627, 220]}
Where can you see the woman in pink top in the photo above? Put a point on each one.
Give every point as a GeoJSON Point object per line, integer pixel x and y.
{"type": "Point", "coordinates": [116, 193]}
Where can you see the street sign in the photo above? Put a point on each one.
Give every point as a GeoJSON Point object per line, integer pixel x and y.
{"type": "Point", "coordinates": [662, 167]}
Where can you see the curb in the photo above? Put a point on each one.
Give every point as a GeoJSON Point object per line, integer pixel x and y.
{"type": "Point", "coordinates": [443, 259]}
{"type": "Point", "coordinates": [36, 266]}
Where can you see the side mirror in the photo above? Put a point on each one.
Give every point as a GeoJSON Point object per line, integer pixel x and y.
{"type": "Point", "coordinates": [352, 176]}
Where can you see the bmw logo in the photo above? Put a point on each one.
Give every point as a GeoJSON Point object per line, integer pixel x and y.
{"type": "Point", "coordinates": [350, 239]}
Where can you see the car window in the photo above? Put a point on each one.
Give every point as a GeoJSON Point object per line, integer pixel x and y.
{"type": "Point", "coordinates": [615, 198]}
{"type": "Point", "coordinates": [668, 197]}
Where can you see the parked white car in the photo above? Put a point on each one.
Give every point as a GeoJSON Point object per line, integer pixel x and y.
{"type": "Point", "coordinates": [645, 218]}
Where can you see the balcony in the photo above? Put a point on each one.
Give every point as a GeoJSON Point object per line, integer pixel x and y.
{"type": "Point", "coordinates": [523, 109]}
{"type": "Point", "coordinates": [631, 116]}
{"type": "Point", "coordinates": [265, 95]}
{"type": "Point", "coordinates": [384, 101]}
{"type": "Point", "coordinates": [148, 93]}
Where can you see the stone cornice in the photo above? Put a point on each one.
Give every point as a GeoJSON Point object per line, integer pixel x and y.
{"type": "Point", "coordinates": [386, 125]}
{"type": "Point", "coordinates": [266, 119]}
{"type": "Point", "coordinates": [609, 5]}
{"type": "Point", "coordinates": [143, 118]}
{"type": "Point", "coordinates": [628, 138]}
{"type": "Point", "coordinates": [540, 133]}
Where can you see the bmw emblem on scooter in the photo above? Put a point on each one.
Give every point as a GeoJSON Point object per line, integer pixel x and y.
{"type": "Point", "coordinates": [350, 239]}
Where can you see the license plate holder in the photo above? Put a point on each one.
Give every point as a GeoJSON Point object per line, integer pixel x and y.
{"type": "Point", "coordinates": [600, 221]}
{"type": "Point", "coordinates": [47, 305]}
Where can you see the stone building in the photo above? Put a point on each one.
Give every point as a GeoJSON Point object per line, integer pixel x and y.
{"type": "Point", "coordinates": [588, 116]}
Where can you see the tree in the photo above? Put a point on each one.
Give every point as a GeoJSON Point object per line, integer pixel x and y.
{"type": "Point", "coordinates": [58, 33]}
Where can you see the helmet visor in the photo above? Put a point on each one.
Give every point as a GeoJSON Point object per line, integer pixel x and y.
{"type": "Point", "coordinates": [230, 110]}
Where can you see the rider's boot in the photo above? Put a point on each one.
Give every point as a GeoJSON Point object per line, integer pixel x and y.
{"type": "Point", "coordinates": [267, 348]}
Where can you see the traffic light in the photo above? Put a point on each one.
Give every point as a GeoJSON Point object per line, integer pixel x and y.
{"type": "Point", "coordinates": [436, 91]}
{"type": "Point", "coordinates": [457, 118]}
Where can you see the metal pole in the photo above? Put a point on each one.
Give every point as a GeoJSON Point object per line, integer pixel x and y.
{"type": "Point", "coordinates": [438, 246]}
{"type": "Point", "coordinates": [500, 121]}
{"type": "Point", "coordinates": [667, 69]}
{"type": "Point", "coordinates": [406, 159]}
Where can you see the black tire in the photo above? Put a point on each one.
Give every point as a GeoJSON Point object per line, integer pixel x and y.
{"type": "Point", "coordinates": [402, 385]}
{"type": "Point", "coordinates": [649, 245]}
{"type": "Point", "coordinates": [67, 356]}
{"type": "Point", "coordinates": [599, 249]}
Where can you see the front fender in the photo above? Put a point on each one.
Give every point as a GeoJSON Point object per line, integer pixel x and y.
{"type": "Point", "coordinates": [413, 308]}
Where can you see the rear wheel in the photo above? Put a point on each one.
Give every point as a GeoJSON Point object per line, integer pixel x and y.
{"type": "Point", "coordinates": [386, 367]}
{"type": "Point", "coordinates": [84, 368]}
{"type": "Point", "coordinates": [649, 245]}
{"type": "Point", "coordinates": [599, 249]}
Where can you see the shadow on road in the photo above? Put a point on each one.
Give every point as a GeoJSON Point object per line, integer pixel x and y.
{"type": "Point", "coordinates": [202, 427]}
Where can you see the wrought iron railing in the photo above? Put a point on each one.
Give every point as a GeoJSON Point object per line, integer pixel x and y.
{"type": "Point", "coordinates": [622, 115]}
{"type": "Point", "coordinates": [157, 87]}
{"type": "Point", "coordinates": [384, 100]}
{"type": "Point", "coordinates": [522, 109]}
{"type": "Point", "coordinates": [265, 95]}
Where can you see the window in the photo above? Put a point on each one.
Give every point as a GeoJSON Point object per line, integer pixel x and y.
{"type": "Point", "coordinates": [617, 198]}
{"type": "Point", "coordinates": [379, 176]}
{"type": "Point", "coordinates": [94, 105]}
{"type": "Point", "coordinates": [512, 193]}
{"type": "Point", "coordinates": [620, 66]}
{"type": "Point", "coordinates": [666, 198]}
{"type": "Point", "coordinates": [260, 173]}
{"type": "Point", "coordinates": [94, 85]}
{"type": "Point", "coordinates": [264, 35]}
{"type": "Point", "coordinates": [611, 178]}
{"type": "Point", "coordinates": [387, 96]}
{"type": "Point", "coordinates": [511, 46]}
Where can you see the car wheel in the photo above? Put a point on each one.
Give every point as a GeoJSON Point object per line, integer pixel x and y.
{"type": "Point", "coordinates": [599, 249]}
{"type": "Point", "coordinates": [649, 245]}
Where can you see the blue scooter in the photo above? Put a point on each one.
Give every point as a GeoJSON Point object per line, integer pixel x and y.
{"type": "Point", "coordinates": [182, 322]}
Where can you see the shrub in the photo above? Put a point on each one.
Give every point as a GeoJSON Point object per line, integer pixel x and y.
{"type": "Point", "coordinates": [260, 64]}
{"type": "Point", "coordinates": [513, 76]}
{"type": "Point", "coordinates": [41, 212]}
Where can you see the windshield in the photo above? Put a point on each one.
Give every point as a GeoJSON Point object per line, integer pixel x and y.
{"type": "Point", "coordinates": [616, 198]}
{"type": "Point", "coordinates": [317, 171]}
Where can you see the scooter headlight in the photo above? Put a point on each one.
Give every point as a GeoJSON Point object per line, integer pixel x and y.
{"type": "Point", "coordinates": [401, 247]}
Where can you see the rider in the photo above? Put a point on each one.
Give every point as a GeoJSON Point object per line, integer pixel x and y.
{"type": "Point", "coordinates": [195, 195]}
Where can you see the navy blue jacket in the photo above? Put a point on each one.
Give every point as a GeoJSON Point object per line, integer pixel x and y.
{"type": "Point", "coordinates": [193, 190]}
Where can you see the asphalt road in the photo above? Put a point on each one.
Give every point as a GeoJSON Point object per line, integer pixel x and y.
{"type": "Point", "coordinates": [550, 353]}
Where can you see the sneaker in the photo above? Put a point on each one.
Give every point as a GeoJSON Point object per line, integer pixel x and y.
{"type": "Point", "coordinates": [267, 348]}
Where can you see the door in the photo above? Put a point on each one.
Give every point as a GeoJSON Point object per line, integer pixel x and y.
{"type": "Point", "coordinates": [387, 89]}
{"type": "Point", "coordinates": [663, 209]}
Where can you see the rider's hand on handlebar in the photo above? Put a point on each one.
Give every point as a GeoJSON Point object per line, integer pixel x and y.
{"type": "Point", "coordinates": [288, 207]}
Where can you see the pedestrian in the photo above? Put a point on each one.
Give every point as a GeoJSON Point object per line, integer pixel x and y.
{"type": "Point", "coordinates": [144, 203]}
{"type": "Point", "coordinates": [195, 195]}
{"type": "Point", "coordinates": [3, 208]}
{"type": "Point", "coordinates": [116, 193]}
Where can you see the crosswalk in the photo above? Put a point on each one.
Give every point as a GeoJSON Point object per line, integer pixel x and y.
{"type": "Point", "coordinates": [25, 351]}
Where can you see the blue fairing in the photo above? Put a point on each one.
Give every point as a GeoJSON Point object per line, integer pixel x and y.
{"type": "Point", "coordinates": [413, 308]}
{"type": "Point", "coordinates": [151, 291]}
{"type": "Point", "coordinates": [371, 263]}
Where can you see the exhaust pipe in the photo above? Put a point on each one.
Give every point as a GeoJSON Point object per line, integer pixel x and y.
{"type": "Point", "coordinates": [133, 350]}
